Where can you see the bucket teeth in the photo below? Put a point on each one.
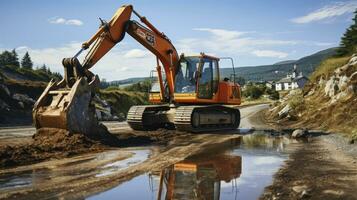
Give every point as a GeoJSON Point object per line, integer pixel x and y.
{"type": "Point", "coordinates": [66, 108]}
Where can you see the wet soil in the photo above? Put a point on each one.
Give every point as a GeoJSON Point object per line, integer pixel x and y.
{"type": "Point", "coordinates": [85, 183]}
{"type": "Point", "coordinates": [316, 170]}
{"type": "Point", "coordinates": [49, 143]}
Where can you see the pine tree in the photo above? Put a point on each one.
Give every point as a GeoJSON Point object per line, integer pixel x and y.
{"type": "Point", "coordinates": [348, 42]}
{"type": "Point", "coordinates": [5, 58]}
{"type": "Point", "coordinates": [15, 59]}
{"type": "Point", "coordinates": [9, 58]}
{"type": "Point", "coordinates": [26, 61]}
{"type": "Point", "coordinates": [43, 68]}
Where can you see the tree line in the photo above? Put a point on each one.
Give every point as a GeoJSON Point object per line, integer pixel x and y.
{"type": "Point", "coordinates": [348, 44]}
{"type": "Point", "coordinates": [10, 59]}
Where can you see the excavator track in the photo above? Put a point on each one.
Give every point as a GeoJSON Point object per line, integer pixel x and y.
{"type": "Point", "coordinates": [150, 117]}
{"type": "Point", "coordinates": [206, 118]}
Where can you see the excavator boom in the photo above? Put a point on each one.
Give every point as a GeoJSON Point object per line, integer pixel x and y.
{"type": "Point", "coordinates": [68, 104]}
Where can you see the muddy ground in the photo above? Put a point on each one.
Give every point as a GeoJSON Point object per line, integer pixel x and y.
{"type": "Point", "coordinates": [48, 144]}
{"type": "Point", "coordinates": [25, 146]}
{"type": "Point", "coordinates": [317, 169]}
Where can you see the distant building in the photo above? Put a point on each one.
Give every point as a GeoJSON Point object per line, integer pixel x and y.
{"type": "Point", "coordinates": [291, 81]}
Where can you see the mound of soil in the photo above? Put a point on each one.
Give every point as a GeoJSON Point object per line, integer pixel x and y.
{"type": "Point", "coordinates": [47, 144]}
{"type": "Point", "coordinates": [52, 143]}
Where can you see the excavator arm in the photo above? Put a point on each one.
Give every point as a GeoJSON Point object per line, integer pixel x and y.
{"type": "Point", "coordinates": [112, 32]}
{"type": "Point", "coordinates": [68, 104]}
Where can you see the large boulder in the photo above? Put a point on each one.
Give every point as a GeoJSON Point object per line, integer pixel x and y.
{"type": "Point", "coordinates": [299, 133]}
{"type": "Point", "coordinates": [285, 111]}
{"type": "Point", "coordinates": [23, 98]}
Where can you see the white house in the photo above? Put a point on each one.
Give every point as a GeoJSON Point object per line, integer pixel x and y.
{"type": "Point", "coordinates": [291, 81]}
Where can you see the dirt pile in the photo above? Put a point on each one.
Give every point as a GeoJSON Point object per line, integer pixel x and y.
{"type": "Point", "coordinates": [327, 102]}
{"type": "Point", "coordinates": [48, 144]}
{"type": "Point", "coordinates": [51, 143]}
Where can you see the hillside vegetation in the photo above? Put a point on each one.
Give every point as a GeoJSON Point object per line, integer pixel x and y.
{"type": "Point", "coordinates": [328, 102]}
{"type": "Point", "coordinates": [279, 70]}
{"type": "Point", "coordinates": [120, 101]}
{"type": "Point", "coordinates": [329, 99]}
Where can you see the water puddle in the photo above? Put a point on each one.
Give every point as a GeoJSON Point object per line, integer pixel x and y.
{"type": "Point", "coordinates": [94, 165]}
{"type": "Point", "coordinates": [138, 157]}
{"type": "Point", "coordinates": [241, 172]}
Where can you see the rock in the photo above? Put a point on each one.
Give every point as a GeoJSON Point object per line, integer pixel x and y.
{"type": "Point", "coordinates": [23, 98]}
{"type": "Point", "coordinates": [299, 188]}
{"type": "Point", "coordinates": [304, 194]}
{"type": "Point", "coordinates": [353, 60]}
{"type": "Point", "coordinates": [21, 104]}
{"type": "Point", "coordinates": [4, 90]}
{"type": "Point", "coordinates": [298, 133]}
{"type": "Point", "coordinates": [3, 105]}
{"type": "Point", "coordinates": [334, 192]}
{"type": "Point", "coordinates": [284, 112]}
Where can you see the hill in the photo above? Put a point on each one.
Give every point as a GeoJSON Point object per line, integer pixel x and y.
{"type": "Point", "coordinates": [279, 70]}
{"type": "Point", "coordinates": [327, 102]}
{"type": "Point", "coordinates": [261, 73]}
{"type": "Point", "coordinates": [128, 81]}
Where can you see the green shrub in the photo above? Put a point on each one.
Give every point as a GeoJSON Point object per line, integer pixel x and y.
{"type": "Point", "coordinates": [254, 91]}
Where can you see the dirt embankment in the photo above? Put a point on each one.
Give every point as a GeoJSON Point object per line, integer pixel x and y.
{"type": "Point", "coordinates": [328, 101]}
{"type": "Point", "coordinates": [317, 170]}
{"type": "Point", "coordinates": [17, 99]}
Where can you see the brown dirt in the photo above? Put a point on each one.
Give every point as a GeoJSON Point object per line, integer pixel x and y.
{"type": "Point", "coordinates": [320, 169]}
{"type": "Point", "coordinates": [50, 143]}
{"type": "Point", "coordinates": [79, 188]}
{"type": "Point", "coordinates": [47, 144]}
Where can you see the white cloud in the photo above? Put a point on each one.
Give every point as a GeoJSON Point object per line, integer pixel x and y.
{"type": "Point", "coordinates": [329, 11]}
{"type": "Point", "coordinates": [324, 44]}
{"type": "Point", "coordinates": [222, 33]}
{"type": "Point", "coordinates": [227, 43]}
{"type": "Point", "coordinates": [60, 20]}
{"type": "Point", "coordinates": [119, 63]}
{"type": "Point", "coordinates": [270, 54]}
{"type": "Point", "coordinates": [136, 53]}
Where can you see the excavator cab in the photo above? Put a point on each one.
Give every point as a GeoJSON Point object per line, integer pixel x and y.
{"type": "Point", "coordinates": [197, 75]}
{"type": "Point", "coordinates": [198, 81]}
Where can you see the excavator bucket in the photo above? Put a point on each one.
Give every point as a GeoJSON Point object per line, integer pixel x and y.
{"type": "Point", "coordinates": [66, 106]}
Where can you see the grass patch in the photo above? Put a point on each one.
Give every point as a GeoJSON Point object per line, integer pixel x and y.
{"type": "Point", "coordinates": [121, 101]}
{"type": "Point", "coordinates": [327, 67]}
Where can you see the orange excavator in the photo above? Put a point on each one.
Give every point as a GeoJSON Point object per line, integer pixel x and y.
{"type": "Point", "coordinates": [191, 95]}
{"type": "Point", "coordinates": [199, 178]}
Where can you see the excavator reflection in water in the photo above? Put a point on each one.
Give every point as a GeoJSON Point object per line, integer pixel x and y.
{"type": "Point", "coordinates": [198, 177]}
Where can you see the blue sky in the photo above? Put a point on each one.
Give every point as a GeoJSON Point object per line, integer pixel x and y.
{"type": "Point", "coordinates": [252, 32]}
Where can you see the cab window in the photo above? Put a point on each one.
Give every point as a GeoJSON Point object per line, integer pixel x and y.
{"type": "Point", "coordinates": [185, 81]}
